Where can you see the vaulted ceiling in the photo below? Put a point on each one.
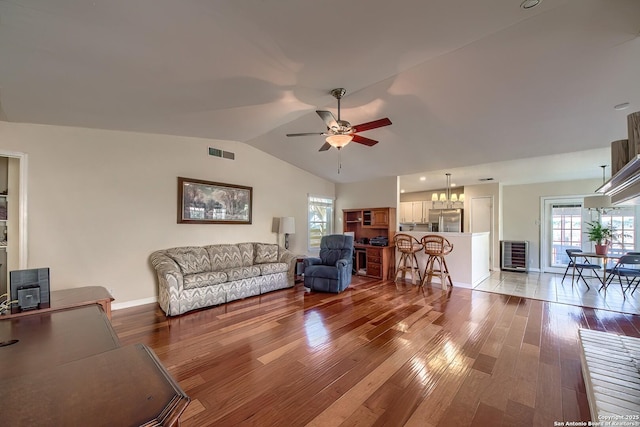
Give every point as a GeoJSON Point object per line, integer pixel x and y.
{"type": "Point", "coordinates": [465, 83]}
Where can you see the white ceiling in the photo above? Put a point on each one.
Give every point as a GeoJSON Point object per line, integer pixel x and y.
{"type": "Point", "coordinates": [465, 83]}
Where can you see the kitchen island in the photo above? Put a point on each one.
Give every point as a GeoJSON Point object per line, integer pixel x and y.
{"type": "Point", "coordinates": [468, 262]}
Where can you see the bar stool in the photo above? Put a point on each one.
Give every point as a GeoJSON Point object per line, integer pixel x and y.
{"type": "Point", "coordinates": [436, 247]}
{"type": "Point", "coordinates": [408, 246]}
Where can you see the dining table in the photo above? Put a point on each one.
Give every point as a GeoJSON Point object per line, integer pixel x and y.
{"type": "Point", "coordinates": [603, 259]}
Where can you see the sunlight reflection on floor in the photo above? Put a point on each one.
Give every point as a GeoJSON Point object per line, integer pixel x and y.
{"type": "Point", "coordinates": [549, 287]}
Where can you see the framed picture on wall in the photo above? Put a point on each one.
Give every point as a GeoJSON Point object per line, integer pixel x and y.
{"type": "Point", "coordinates": [205, 202]}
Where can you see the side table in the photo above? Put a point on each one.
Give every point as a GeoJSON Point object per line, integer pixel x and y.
{"type": "Point", "coordinates": [299, 277]}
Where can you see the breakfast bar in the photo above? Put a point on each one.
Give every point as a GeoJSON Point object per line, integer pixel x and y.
{"type": "Point", "coordinates": [468, 262]}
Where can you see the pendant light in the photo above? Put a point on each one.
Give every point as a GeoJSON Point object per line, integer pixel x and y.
{"type": "Point", "coordinates": [600, 201]}
{"type": "Point", "coordinates": [451, 200]}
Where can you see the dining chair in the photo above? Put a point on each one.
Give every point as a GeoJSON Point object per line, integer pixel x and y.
{"type": "Point", "coordinates": [584, 264]}
{"type": "Point", "coordinates": [628, 266]}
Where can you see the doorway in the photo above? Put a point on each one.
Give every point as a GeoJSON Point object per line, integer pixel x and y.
{"type": "Point", "coordinates": [13, 215]}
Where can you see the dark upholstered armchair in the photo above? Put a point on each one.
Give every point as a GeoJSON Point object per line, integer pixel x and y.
{"type": "Point", "coordinates": [332, 271]}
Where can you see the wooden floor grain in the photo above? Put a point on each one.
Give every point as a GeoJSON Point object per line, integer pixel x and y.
{"type": "Point", "coordinates": [377, 354]}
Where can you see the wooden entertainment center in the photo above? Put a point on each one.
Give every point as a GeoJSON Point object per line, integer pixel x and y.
{"type": "Point", "coordinates": [366, 224]}
{"type": "Point", "coordinates": [64, 365]}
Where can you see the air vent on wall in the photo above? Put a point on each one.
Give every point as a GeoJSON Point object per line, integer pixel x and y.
{"type": "Point", "coordinates": [216, 152]}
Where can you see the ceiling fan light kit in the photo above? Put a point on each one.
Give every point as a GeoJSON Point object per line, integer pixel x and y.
{"type": "Point", "coordinates": [339, 141]}
{"type": "Point", "coordinates": [340, 132]}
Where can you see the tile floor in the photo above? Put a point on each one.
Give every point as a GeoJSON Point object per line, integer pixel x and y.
{"type": "Point", "coordinates": [549, 287]}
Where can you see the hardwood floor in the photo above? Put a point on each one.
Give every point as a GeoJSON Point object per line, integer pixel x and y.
{"type": "Point", "coordinates": [377, 354]}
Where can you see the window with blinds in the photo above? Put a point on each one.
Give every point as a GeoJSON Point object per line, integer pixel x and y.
{"type": "Point", "coordinates": [320, 219]}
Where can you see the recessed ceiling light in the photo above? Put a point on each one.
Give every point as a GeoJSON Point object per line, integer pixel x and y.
{"type": "Point", "coordinates": [622, 106]}
{"type": "Point", "coordinates": [402, 191]}
{"type": "Point", "coordinates": [453, 184]}
{"type": "Point", "coordinates": [423, 178]}
{"type": "Point", "coordinates": [530, 4]}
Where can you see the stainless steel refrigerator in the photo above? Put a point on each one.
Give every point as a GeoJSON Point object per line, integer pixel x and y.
{"type": "Point", "coordinates": [445, 220]}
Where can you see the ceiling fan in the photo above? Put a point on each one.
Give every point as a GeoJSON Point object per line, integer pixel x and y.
{"type": "Point", "coordinates": [340, 132]}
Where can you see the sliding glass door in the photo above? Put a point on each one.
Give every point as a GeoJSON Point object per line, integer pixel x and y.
{"type": "Point", "coordinates": [565, 219]}
{"type": "Point", "coordinates": [564, 224]}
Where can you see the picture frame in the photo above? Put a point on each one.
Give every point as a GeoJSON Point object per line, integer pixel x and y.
{"type": "Point", "coordinates": [207, 202]}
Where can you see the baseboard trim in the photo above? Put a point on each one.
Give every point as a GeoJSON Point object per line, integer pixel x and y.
{"type": "Point", "coordinates": [134, 303]}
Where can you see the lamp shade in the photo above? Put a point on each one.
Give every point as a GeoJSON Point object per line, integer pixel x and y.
{"type": "Point", "coordinates": [443, 197]}
{"type": "Point", "coordinates": [287, 225]}
{"type": "Point", "coordinates": [596, 202]}
{"type": "Point", "coordinates": [454, 197]}
{"type": "Point", "coordinates": [434, 197]}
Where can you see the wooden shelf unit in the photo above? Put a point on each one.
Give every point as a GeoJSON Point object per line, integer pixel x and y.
{"type": "Point", "coordinates": [372, 261]}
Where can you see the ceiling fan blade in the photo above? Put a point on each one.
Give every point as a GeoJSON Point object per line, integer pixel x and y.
{"type": "Point", "coordinates": [328, 118]}
{"type": "Point", "coordinates": [363, 140]}
{"type": "Point", "coordinates": [325, 147]}
{"type": "Point", "coordinates": [372, 125]}
{"type": "Point", "coordinates": [306, 134]}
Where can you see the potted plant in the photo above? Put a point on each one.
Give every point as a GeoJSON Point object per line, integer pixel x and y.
{"type": "Point", "coordinates": [600, 235]}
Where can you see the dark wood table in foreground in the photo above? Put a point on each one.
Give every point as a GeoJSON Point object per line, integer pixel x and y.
{"type": "Point", "coordinates": [67, 368]}
{"type": "Point", "coordinates": [73, 297]}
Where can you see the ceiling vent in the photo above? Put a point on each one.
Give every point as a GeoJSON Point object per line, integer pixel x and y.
{"type": "Point", "coordinates": [485, 179]}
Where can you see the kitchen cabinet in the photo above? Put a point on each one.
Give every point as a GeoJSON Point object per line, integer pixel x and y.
{"type": "Point", "coordinates": [406, 212]}
{"type": "Point", "coordinates": [419, 212]}
{"type": "Point", "coordinates": [375, 218]}
{"type": "Point", "coordinates": [414, 211]}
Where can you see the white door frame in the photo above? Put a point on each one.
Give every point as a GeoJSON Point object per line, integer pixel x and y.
{"type": "Point", "coordinates": [545, 229]}
{"type": "Point", "coordinates": [22, 205]}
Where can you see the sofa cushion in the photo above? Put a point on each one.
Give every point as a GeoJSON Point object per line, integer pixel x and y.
{"type": "Point", "coordinates": [242, 273]}
{"type": "Point", "coordinates": [246, 253]}
{"type": "Point", "coordinates": [266, 253]}
{"type": "Point", "coordinates": [190, 259]}
{"type": "Point", "coordinates": [223, 257]}
{"type": "Point", "coordinates": [273, 267]}
{"type": "Point", "coordinates": [201, 280]}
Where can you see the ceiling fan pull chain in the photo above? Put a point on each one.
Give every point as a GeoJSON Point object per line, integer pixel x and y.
{"type": "Point", "coordinates": [339, 160]}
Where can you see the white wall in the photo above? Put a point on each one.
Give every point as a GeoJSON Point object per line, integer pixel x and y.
{"type": "Point", "coordinates": [377, 193]}
{"type": "Point", "coordinates": [99, 202]}
{"type": "Point", "coordinates": [521, 210]}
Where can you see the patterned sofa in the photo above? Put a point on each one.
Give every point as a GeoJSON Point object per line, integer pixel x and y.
{"type": "Point", "coordinates": [193, 277]}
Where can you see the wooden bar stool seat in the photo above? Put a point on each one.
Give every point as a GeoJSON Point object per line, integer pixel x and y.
{"type": "Point", "coordinates": [437, 248]}
{"type": "Point", "coordinates": [408, 246]}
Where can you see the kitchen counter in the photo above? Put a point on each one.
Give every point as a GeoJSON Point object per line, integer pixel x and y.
{"type": "Point", "coordinates": [468, 262]}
